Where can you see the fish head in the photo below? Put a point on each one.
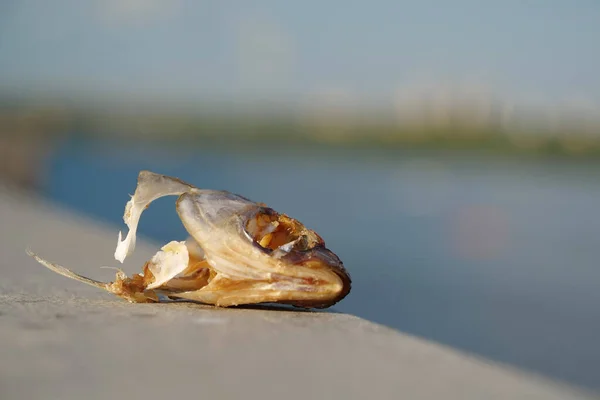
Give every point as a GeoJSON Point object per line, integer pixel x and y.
{"type": "Point", "coordinates": [258, 255]}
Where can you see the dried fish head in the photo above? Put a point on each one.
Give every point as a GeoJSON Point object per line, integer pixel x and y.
{"type": "Point", "coordinates": [239, 252]}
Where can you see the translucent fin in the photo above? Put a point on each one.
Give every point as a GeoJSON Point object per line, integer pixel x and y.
{"type": "Point", "coordinates": [150, 187]}
{"type": "Point", "coordinates": [169, 262]}
{"type": "Point", "coordinates": [68, 273]}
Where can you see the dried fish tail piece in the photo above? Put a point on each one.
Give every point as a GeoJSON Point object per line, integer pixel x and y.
{"type": "Point", "coordinates": [239, 252]}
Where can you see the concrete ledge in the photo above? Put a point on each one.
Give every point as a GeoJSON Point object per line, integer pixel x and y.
{"type": "Point", "coordinates": [62, 339]}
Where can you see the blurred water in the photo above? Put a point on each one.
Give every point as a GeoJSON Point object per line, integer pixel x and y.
{"type": "Point", "coordinates": [497, 257]}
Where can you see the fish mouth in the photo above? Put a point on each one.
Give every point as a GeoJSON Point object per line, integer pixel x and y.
{"type": "Point", "coordinates": [239, 252]}
{"type": "Point", "coordinates": [283, 237]}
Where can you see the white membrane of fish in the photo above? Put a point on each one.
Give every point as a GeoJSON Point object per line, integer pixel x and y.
{"type": "Point", "coordinates": [239, 252]}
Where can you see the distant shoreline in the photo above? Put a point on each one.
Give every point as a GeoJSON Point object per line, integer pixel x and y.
{"type": "Point", "coordinates": [234, 129]}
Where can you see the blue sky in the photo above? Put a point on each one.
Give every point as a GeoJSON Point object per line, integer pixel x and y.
{"type": "Point", "coordinates": [536, 50]}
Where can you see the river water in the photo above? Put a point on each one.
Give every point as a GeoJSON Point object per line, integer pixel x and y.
{"type": "Point", "coordinates": [496, 256]}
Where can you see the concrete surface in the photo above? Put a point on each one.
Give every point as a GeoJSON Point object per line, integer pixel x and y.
{"type": "Point", "coordinates": [60, 339]}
